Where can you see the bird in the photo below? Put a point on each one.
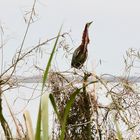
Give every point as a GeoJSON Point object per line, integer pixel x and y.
{"type": "Point", "coordinates": [80, 54]}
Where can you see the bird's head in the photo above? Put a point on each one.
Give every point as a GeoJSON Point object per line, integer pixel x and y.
{"type": "Point", "coordinates": [85, 37]}
{"type": "Point", "coordinates": [88, 24]}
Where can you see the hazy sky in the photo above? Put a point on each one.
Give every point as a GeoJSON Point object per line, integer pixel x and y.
{"type": "Point", "coordinates": [115, 28]}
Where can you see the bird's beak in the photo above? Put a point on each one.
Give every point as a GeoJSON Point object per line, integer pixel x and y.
{"type": "Point", "coordinates": [88, 24]}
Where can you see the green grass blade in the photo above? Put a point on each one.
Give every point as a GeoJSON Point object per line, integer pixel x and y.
{"type": "Point", "coordinates": [54, 107]}
{"type": "Point", "coordinates": [66, 113]}
{"type": "Point", "coordinates": [50, 59]}
{"type": "Point", "coordinates": [45, 121]}
{"type": "Point", "coordinates": [44, 116]}
{"type": "Point", "coordinates": [38, 127]}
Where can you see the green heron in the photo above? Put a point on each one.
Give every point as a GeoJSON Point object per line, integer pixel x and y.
{"type": "Point", "coordinates": [80, 54]}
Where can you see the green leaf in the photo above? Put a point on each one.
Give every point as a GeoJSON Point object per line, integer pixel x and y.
{"type": "Point", "coordinates": [44, 116]}
{"type": "Point", "coordinates": [50, 59]}
{"type": "Point", "coordinates": [54, 107]}
{"type": "Point", "coordinates": [38, 127]}
{"type": "Point", "coordinates": [66, 113]}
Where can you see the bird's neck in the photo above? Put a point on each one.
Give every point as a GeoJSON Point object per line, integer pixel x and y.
{"type": "Point", "coordinates": [85, 38]}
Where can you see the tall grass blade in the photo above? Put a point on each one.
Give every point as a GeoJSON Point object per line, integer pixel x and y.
{"type": "Point", "coordinates": [50, 59]}
{"type": "Point", "coordinates": [45, 121]}
{"type": "Point", "coordinates": [66, 113]}
{"type": "Point", "coordinates": [38, 126]}
{"type": "Point", "coordinates": [44, 116]}
{"type": "Point", "coordinates": [55, 107]}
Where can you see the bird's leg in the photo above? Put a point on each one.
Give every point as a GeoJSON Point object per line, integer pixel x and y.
{"type": "Point", "coordinates": [74, 72]}
{"type": "Point", "coordinates": [84, 69]}
{"type": "Point", "coordinates": [86, 72]}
